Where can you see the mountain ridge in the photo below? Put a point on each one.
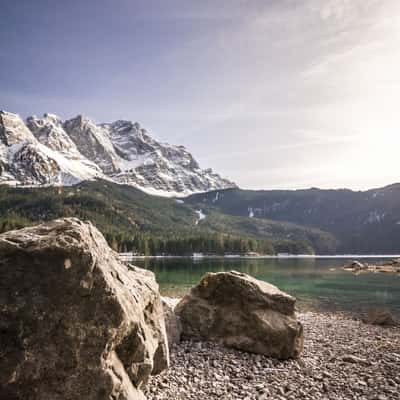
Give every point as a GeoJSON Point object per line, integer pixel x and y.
{"type": "Point", "coordinates": [364, 222]}
{"type": "Point", "coordinates": [48, 151]}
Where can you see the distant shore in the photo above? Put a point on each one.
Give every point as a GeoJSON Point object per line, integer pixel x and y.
{"type": "Point", "coordinates": [127, 257]}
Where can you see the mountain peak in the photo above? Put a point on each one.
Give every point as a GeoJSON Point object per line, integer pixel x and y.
{"type": "Point", "coordinates": [13, 130]}
{"type": "Point", "coordinates": [78, 149]}
{"type": "Point", "coordinates": [52, 117]}
{"type": "Point", "coordinates": [123, 123]}
{"type": "Point", "coordinates": [49, 131]}
{"type": "Point", "coordinates": [79, 120]}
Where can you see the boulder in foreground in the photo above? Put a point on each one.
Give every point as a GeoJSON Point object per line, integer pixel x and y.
{"type": "Point", "coordinates": [75, 323]}
{"type": "Point", "coordinates": [242, 312]}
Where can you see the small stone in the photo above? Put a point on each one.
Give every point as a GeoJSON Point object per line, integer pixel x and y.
{"type": "Point", "coordinates": [354, 360]}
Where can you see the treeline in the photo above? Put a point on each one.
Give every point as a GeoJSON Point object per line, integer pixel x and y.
{"type": "Point", "coordinates": [150, 245]}
{"type": "Point", "coordinates": [220, 244]}
{"type": "Point", "coordinates": [181, 245]}
{"type": "Point", "coordinates": [145, 244]}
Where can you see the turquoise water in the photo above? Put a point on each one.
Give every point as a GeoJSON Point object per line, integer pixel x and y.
{"type": "Point", "coordinates": [317, 283]}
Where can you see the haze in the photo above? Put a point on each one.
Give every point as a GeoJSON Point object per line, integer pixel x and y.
{"type": "Point", "coordinates": [272, 94]}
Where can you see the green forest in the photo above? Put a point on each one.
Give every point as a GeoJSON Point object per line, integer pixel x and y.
{"type": "Point", "coordinates": [133, 221]}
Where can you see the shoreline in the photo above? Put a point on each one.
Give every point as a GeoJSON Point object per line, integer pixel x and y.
{"type": "Point", "coordinates": [126, 256]}
{"type": "Point", "coordinates": [343, 358]}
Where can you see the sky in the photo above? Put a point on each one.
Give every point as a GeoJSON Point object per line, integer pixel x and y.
{"type": "Point", "coordinates": [269, 93]}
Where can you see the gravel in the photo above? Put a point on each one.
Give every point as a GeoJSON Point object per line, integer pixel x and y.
{"type": "Point", "coordinates": [343, 358]}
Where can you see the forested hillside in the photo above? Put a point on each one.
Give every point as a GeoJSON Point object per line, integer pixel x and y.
{"type": "Point", "coordinates": [134, 221]}
{"type": "Point", "coordinates": [362, 221]}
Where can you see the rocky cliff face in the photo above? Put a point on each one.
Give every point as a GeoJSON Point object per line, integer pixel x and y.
{"type": "Point", "coordinates": [75, 322]}
{"type": "Point", "coordinates": [50, 132]}
{"type": "Point", "coordinates": [93, 142]}
{"type": "Point", "coordinates": [41, 155]}
{"type": "Point", "coordinates": [48, 151]}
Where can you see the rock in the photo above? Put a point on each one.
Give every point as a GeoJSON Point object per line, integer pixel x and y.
{"type": "Point", "coordinates": [356, 266]}
{"type": "Point", "coordinates": [172, 322]}
{"type": "Point", "coordinates": [75, 323]}
{"type": "Point", "coordinates": [349, 358]}
{"type": "Point", "coordinates": [242, 312]}
{"type": "Point", "coordinates": [378, 316]}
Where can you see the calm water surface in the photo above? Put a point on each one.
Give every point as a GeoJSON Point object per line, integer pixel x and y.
{"type": "Point", "coordinates": [317, 283]}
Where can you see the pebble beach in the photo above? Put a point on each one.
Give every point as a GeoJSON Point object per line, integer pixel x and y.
{"type": "Point", "coordinates": [343, 358]}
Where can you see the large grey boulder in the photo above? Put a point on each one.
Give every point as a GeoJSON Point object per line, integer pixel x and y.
{"type": "Point", "coordinates": [75, 323]}
{"type": "Point", "coordinates": [242, 312]}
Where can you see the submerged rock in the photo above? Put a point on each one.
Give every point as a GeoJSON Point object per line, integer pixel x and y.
{"type": "Point", "coordinates": [75, 323]}
{"type": "Point", "coordinates": [242, 312]}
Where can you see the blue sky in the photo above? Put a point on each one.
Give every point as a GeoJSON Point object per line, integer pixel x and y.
{"type": "Point", "coordinates": [272, 94]}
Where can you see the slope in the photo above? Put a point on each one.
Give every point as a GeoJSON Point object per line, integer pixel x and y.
{"type": "Point", "coordinates": [362, 221]}
{"type": "Point", "coordinates": [128, 216]}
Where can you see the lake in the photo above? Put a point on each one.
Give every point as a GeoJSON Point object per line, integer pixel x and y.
{"type": "Point", "coordinates": [318, 283]}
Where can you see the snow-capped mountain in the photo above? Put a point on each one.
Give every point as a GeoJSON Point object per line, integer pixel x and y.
{"type": "Point", "coordinates": [49, 151]}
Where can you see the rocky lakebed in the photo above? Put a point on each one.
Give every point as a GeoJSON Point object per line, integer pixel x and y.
{"type": "Point", "coordinates": [76, 323]}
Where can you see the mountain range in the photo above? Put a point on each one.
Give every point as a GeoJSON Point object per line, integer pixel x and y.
{"type": "Point", "coordinates": [47, 151]}
{"type": "Point", "coordinates": [51, 168]}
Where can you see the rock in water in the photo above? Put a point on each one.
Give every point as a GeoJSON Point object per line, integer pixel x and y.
{"type": "Point", "coordinates": [75, 323]}
{"type": "Point", "coordinates": [242, 312]}
{"type": "Point", "coordinates": [356, 266]}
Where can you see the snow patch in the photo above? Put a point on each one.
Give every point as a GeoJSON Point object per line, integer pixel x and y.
{"type": "Point", "coordinates": [216, 198]}
{"type": "Point", "coordinates": [375, 217]}
{"type": "Point", "coordinates": [200, 216]}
